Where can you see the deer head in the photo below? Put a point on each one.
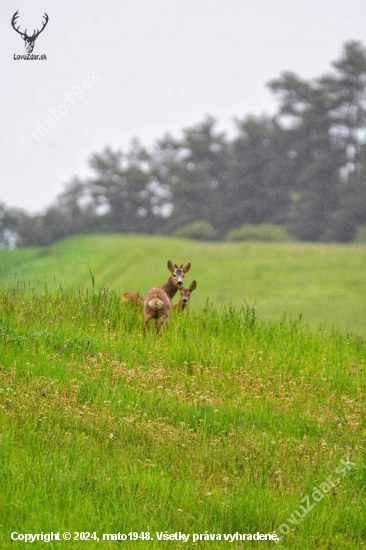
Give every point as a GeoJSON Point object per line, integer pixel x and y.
{"type": "Point", "coordinates": [185, 293]}
{"type": "Point", "coordinates": [28, 40]}
{"type": "Point", "coordinates": [178, 273]}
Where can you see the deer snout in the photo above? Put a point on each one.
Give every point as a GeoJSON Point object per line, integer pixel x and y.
{"type": "Point", "coordinates": [185, 300]}
{"type": "Point", "coordinates": [179, 283]}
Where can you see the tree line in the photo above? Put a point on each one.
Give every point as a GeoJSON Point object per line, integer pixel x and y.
{"type": "Point", "coordinates": [303, 168]}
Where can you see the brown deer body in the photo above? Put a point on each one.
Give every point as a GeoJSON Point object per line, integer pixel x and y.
{"type": "Point", "coordinates": [134, 298]}
{"type": "Point", "coordinates": [185, 294]}
{"type": "Point", "coordinates": [157, 304]}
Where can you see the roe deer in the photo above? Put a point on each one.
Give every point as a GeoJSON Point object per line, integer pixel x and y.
{"type": "Point", "coordinates": [185, 294]}
{"type": "Point", "coordinates": [157, 304]}
{"type": "Point", "coordinates": [170, 288]}
{"type": "Point", "coordinates": [175, 281]}
{"type": "Point", "coordinates": [134, 298]}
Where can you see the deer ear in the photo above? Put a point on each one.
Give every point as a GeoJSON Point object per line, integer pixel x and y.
{"type": "Point", "coordinates": [170, 266]}
{"type": "Point", "coordinates": [192, 286]}
{"type": "Point", "coordinates": [187, 268]}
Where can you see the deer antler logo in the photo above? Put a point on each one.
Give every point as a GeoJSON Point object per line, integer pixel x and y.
{"type": "Point", "coordinates": [28, 40]}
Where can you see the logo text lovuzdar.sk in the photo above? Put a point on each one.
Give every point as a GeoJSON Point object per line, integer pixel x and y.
{"type": "Point", "coordinates": [29, 40]}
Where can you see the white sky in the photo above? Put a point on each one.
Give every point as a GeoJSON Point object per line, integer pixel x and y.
{"type": "Point", "coordinates": [162, 65]}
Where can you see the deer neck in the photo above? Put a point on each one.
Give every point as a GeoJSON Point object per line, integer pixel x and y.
{"type": "Point", "coordinates": [179, 306]}
{"type": "Point", "coordinates": [170, 288]}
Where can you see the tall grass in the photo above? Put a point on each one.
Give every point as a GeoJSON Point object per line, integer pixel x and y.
{"type": "Point", "coordinates": [324, 283]}
{"type": "Point", "coordinates": [222, 424]}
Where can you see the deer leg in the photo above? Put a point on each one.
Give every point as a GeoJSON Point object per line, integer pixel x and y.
{"type": "Point", "coordinates": [148, 318]}
{"type": "Point", "coordinates": [159, 323]}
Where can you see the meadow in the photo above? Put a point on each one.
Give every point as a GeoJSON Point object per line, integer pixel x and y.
{"type": "Point", "coordinates": [223, 424]}
{"type": "Point", "coordinates": [226, 423]}
{"type": "Point", "coordinates": [325, 283]}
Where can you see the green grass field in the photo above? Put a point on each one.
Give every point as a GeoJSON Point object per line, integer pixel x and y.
{"type": "Point", "coordinates": [324, 283]}
{"type": "Point", "coordinates": [225, 424]}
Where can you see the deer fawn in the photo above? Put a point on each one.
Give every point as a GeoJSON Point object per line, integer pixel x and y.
{"type": "Point", "coordinates": [185, 294]}
{"type": "Point", "coordinates": [157, 304]}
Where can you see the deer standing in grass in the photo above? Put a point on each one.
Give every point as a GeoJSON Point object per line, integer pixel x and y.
{"type": "Point", "coordinates": [174, 282]}
{"type": "Point", "coordinates": [137, 299]}
{"type": "Point", "coordinates": [185, 294]}
{"type": "Point", "coordinates": [134, 298]}
{"type": "Point", "coordinates": [157, 304]}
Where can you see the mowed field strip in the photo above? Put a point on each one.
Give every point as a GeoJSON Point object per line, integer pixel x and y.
{"type": "Point", "coordinates": [324, 283]}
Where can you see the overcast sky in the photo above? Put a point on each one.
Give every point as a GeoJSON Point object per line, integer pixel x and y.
{"type": "Point", "coordinates": [161, 65]}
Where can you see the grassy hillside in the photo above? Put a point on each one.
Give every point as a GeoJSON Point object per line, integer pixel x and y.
{"type": "Point", "coordinates": [223, 425]}
{"type": "Point", "coordinates": [324, 283]}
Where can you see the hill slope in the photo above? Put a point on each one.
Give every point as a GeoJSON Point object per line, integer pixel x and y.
{"type": "Point", "coordinates": [324, 283]}
{"type": "Point", "coordinates": [223, 424]}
